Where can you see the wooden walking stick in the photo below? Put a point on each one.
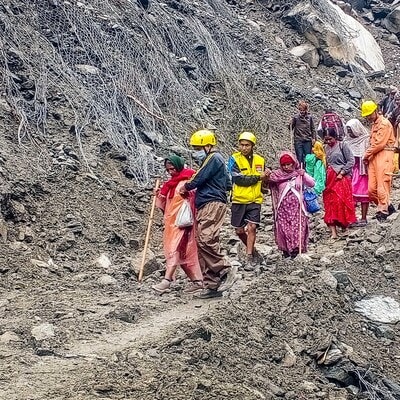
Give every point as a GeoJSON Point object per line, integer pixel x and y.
{"type": "Point", "coordinates": [300, 211]}
{"type": "Point", "coordinates": [146, 241]}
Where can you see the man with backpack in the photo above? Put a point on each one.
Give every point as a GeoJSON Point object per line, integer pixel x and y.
{"type": "Point", "coordinates": [303, 130]}
{"type": "Point", "coordinates": [331, 120]}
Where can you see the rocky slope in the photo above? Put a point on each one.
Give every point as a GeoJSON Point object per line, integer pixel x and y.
{"type": "Point", "coordinates": [93, 94]}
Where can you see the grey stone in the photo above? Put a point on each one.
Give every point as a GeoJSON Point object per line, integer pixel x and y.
{"type": "Point", "coordinates": [43, 331]}
{"type": "Point", "coordinates": [276, 390]}
{"type": "Point", "coordinates": [388, 268]}
{"type": "Point", "coordinates": [386, 332]}
{"type": "Point", "coordinates": [355, 94]}
{"type": "Point", "coordinates": [107, 280]}
{"type": "Point", "coordinates": [328, 279]}
{"type": "Point", "coordinates": [374, 238]}
{"type": "Point", "coordinates": [393, 39]}
{"type": "Point", "coordinates": [153, 353]}
{"type": "Point", "coordinates": [345, 106]}
{"type": "Point", "coordinates": [342, 72]}
{"type": "Point", "coordinates": [341, 277]}
{"type": "Point", "coordinates": [392, 21]}
{"type": "Point", "coordinates": [380, 250]}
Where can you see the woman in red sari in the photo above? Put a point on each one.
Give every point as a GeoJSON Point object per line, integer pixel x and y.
{"type": "Point", "coordinates": [338, 196]}
{"type": "Point", "coordinates": [179, 243]}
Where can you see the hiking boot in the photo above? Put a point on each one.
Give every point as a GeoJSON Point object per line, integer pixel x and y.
{"type": "Point", "coordinates": [228, 279]}
{"type": "Point", "coordinates": [208, 294]}
{"type": "Point", "coordinates": [163, 287]}
{"type": "Point", "coordinates": [391, 209]}
{"type": "Point", "coordinates": [194, 287]}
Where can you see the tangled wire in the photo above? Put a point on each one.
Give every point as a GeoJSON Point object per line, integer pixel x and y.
{"type": "Point", "coordinates": [144, 79]}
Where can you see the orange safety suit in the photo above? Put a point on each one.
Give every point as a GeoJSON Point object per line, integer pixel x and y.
{"type": "Point", "coordinates": [380, 163]}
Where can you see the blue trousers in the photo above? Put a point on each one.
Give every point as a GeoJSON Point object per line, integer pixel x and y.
{"type": "Point", "coordinates": [302, 149]}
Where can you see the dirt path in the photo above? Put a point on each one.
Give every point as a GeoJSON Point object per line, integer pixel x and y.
{"type": "Point", "coordinates": [53, 375]}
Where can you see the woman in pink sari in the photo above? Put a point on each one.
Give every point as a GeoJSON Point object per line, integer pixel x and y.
{"type": "Point", "coordinates": [179, 243]}
{"type": "Point", "coordinates": [290, 215]}
{"type": "Point", "coordinates": [357, 139]}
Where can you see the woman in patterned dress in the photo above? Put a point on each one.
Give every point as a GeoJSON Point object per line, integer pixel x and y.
{"type": "Point", "coordinates": [290, 215]}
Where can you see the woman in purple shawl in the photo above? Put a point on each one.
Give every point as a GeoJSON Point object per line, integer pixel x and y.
{"type": "Point", "coordinates": [286, 184]}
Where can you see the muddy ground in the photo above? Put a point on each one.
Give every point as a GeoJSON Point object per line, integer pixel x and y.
{"type": "Point", "coordinates": [74, 322]}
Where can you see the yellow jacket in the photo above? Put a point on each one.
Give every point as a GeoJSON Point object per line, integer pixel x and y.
{"type": "Point", "coordinates": [246, 179]}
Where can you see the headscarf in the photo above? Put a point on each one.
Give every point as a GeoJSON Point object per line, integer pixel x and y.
{"type": "Point", "coordinates": [359, 143]}
{"type": "Point", "coordinates": [176, 161]}
{"type": "Point", "coordinates": [279, 175]}
{"type": "Point", "coordinates": [168, 187]}
{"type": "Point", "coordinates": [318, 150]}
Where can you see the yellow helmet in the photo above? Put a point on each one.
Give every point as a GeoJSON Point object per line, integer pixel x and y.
{"type": "Point", "coordinates": [203, 137]}
{"type": "Point", "coordinates": [368, 107]}
{"type": "Point", "coordinates": [248, 136]}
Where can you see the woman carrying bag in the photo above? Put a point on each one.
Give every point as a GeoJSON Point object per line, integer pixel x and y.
{"type": "Point", "coordinates": [179, 242]}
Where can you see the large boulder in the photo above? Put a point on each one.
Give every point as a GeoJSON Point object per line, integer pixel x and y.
{"type": "Point", "coordinates": [339, 38]}
{"type": "Point", "coordinates": [392, 21]}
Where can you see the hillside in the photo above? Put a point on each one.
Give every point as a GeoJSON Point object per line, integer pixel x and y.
{"type": "Point", "coordinates": [93, 95]}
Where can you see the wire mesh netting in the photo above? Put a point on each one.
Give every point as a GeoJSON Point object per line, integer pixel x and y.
{"type": "Point", "coordinates": [144, 79]}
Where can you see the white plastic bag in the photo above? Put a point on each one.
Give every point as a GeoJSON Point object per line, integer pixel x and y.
{"type": "Point", "coordinates": [184, 218]}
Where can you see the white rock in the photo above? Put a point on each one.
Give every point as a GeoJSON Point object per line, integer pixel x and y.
{"type": "Point", "coordinates": [325, 260]}
{"type": "Point", "coordinates": [303, 258]}
{"type": "Point", "coordinates": [107, 280]}
{"type": "Point", "coordinates": [8, 337]}
{"type": "Point", "coordinates": [337, 35]}
{"type": "Point", "coordinates": [43, 331]}
{"type": "Point", "coordinates": [88, 69]}
{"type": "Point", "coordinates": [379, 308]}
{"type": "Point", "coordinates": [308, 53]}
{"type": "Point", "coordinates": [264, 249]}
{"type": "Point", "coordinates": [103, 261]}
{"type": "Point", "coordinates": [380, 250]}
{"type": "Point", "coordinates": [290, 358]}
{"type": "Point", "coordinates": [308, 386]}
{"type": "Point", "coordinates": [339, 253]}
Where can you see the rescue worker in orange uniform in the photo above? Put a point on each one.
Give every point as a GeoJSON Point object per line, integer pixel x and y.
{"type": "Point", "coordinates": [379, 158]}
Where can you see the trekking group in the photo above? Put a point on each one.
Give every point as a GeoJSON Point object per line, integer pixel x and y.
{"type": "Point", "coordinates": [342, 163]}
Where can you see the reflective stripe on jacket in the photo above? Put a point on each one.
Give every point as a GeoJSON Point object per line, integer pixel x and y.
{"type": "Point", "coordinates": [248, 194]}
